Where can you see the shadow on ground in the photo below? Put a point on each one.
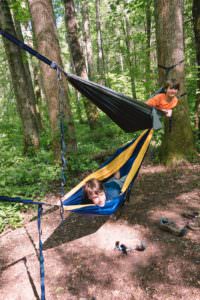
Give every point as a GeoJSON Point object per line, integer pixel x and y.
{"type": "Point", "coordinates": [74, 227]}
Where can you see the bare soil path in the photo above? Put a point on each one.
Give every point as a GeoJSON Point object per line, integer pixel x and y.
{"type": "Point", "coordinates": [80, 260]}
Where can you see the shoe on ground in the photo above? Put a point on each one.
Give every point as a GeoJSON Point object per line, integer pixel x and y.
{"type": "Point", "coordinates": [170, 226]}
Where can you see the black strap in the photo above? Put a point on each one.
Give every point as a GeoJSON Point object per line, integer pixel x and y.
{"type": "Point", "coordinates": [168, 69]}
{"type": "Point", "coordinates": [31, 51]}
{"type": "Point", "coordinates": [24, 201]}
{"type": "Point", "coordinates": [25, 47]}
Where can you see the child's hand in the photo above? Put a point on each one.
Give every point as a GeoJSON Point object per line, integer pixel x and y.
{"type": "Point", "coordinates": [117, 175]}
{"type": "Point", "coordinates": [168, 112]}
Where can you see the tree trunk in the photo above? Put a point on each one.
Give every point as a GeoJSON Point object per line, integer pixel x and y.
{"type": "Point", "coordinates": [33, 98]}
{"type": "Point", "coordinates": [196, 26]}
{"type": "Point", "coordinates": [78, 58]}
{"type": "Point", "coordinates": [177, 143]}
{"type": "Point", "coordinates": [23, 91]}
{"type": "Point", "coordinates": [100, 54]}
{"type": "Point", "coordinates": [87, 39]}
{"type": "Point", "coordinates": [48, 45]}
{"type": "Point", "coordinates": [129, 50]}
{"type": "Point", "coordinates": [148, 46]}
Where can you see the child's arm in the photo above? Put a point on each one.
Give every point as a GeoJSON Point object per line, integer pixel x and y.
{"type": "Point", "coordinates": [117, 175]}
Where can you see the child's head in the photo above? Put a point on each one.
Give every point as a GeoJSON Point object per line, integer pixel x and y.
{"type": "Point", "coordinates": [94, 191]}
{"type": "Point", "coordinates": [172, 84]}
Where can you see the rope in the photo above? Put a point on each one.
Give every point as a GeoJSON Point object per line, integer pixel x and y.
{"type": "Point", "coordinates": [63, 146]}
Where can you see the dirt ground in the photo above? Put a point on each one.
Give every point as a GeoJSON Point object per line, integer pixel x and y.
{"type": "Point", "coordinates": [80, 260]}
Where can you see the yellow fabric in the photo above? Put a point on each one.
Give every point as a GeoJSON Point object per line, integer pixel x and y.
{"type": "Point", "coordinates": [115, 165]}
{"type": "Point", "coordinates": [72, 207]}
{"type": "Point", "coordinates": [137, 162]}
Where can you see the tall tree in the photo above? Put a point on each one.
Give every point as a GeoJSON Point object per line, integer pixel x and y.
{"type": "Point", "coordinates": [196, 26]}
{"type": "Point", "coordinates": [177, 144]}
{"type": "Point", "coordinates": [34, 97]}
{"type": "Point", "coordinates": [87, 39]}
{"type": "Point", "coordinates": [48, 44]}
{"type": "Point", "coordinates": [100, 53]}
{"type": "Point", "coordinates": [78, 57]}
{"type": "Point", "coordinates": [21, 83]}
{"type": "Point", "coordinates": [148, 46]}
{"type": "Point", "coordinates": [129, 49]}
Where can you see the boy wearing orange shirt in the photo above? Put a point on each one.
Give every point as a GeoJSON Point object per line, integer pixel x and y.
{"type": "Point", "coordinates": [168, 100]}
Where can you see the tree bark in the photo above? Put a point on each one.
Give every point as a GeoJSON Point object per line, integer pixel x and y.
{"type": "Point", "coordinates": [23, 90]}
{"type": "Point", "coordinates": [148, 47]}
{"type": "Point", "coordinates": [34, 98]}
{"type": "Point", "coordinates": [78, 58]}
{"type": "Point", "coordinates": [87, 39]}
{"type": "Point", "coordinates": [47, 43]}
{"type": "Point", "coordinates": [177, 143]}
{"type": "Point", "coordinates": [100, 53]}
{"type": "Point", "coordinates": [196, 26]}
{"type": "Point", "coordinates": [129, 50]}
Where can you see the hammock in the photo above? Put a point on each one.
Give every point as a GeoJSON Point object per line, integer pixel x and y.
{"type": "Point", "coordinates": [128, 160]}
{"type": "Point", "coordinates": [136, 114]}
{"type": "Point", "coordinates": [131, 115]}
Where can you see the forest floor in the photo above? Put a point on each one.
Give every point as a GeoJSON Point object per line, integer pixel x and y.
{"type": "Point", "coordinates": [80, 260]}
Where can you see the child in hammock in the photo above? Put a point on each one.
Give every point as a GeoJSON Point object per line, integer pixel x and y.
{"type": "Point", "coordinates": [99, 192]}
{"type": "Point", "coordinates": [168, 100]}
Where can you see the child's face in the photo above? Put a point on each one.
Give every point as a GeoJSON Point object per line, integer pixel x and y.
{"type": "Point", "coordinates": [98, 199]}
{"type": "Point", "coordinates": [171, 92]}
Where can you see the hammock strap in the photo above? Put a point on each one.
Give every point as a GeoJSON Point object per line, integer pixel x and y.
{"type": "Point", "coordinates": [63, 147]}
{"type": "Point", "coordinates": [25, 47]}
{"type": "Point", "coordinates": [24, 201]}
{"type": "Point", "coordinates": [168, 69]}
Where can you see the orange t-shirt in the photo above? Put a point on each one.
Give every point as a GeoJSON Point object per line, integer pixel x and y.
{"type": "Point", "coordinates": [159, 101]}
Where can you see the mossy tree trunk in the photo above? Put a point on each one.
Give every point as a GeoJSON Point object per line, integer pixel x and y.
{"type": "Point", "coordinates": [177, 143]}
{"type": "Point", "coordinates": [23, 90]}
{"type": "Point", "coordinates": [47, 43]}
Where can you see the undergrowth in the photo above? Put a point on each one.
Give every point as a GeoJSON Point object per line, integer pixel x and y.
{"type": "Point", "coordinates": [31, 177]}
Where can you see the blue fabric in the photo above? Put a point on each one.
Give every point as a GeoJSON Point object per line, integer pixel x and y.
{"type": "Point", "coordinates": [112, 190]}
{"type": "Point", "coordinates": [117, 200]}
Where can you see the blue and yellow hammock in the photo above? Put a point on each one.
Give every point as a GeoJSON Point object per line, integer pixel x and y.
{"type": "Point", "coordinates": [128, 160]}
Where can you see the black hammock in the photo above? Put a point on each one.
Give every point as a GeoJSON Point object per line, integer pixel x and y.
{"type": "Point", "coordinates": [131, 115]}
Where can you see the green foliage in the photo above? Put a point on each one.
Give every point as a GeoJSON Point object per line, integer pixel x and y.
{"type": "Point", "coordinates": [27, 177]}
{"type": "Point", "coordinates": [20, 10]}
{"type": "Point", "coordinates": [9, 216]}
